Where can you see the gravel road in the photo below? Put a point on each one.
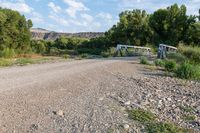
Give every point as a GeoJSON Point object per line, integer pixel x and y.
{"type": "Point", "coordinates": [85, 96]}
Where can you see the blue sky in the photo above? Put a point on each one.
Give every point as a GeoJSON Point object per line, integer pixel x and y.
{"type": "Point", "coordinates": [85, 15]}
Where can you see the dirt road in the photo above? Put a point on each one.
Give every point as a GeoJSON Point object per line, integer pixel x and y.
{"type": "Point", "coordinates": [59, 97]}
{"type": "Point", "coordinates": [91, 96]}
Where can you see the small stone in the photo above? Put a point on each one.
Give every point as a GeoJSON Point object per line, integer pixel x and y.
{"type": "Point", "coordinates": [127, 103]}
{"type": "Point", "coordinates": [169, 99]}
{"type": "Point", "coordinates": [126, 126]}
{"type": "Point", "coordinates": [60, 113]}
{"type": "Point", "coordinates": [101, 99]}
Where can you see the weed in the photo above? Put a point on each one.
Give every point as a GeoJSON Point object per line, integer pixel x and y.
{"type": "Point", "coordinates": [66, 56]}
{"type": "Point", "coordinates": [162, 127]}
{"type": "Point", "coordinates": [187, 109]}
{"type": "Point", "coordinates": [178, 57]}
{"type": "Point", "coordinates": [141, 115]}
{"type": "Point", "coordinates": [188, 71]}
{"type": "Point", "coordinates": [23, 61]}
{"type": "Point", "coordinates": [159, 62]}
{"type": "Point", "coordinates": [143, 60]}
{"type": "Point", "coordinates": [170, 65]}
{"type": "Point", "coordinates": [5, 62]}
{"type": "Point", "coordinates": [148, 119]}
{"type": "Point", "coordinates": [189, 117]}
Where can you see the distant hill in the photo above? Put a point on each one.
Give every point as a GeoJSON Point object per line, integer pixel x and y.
{"type": "Point", "coordinates": [43, 34]}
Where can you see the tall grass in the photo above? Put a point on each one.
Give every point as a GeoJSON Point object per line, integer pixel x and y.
{"type": "Point", "coordinates": [7, 53]}
{"type": "Point", "coordinates": [192, 53]}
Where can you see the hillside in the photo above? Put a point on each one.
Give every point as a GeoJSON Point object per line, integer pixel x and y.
{"type": "Point", "coordinates": [38, 33]}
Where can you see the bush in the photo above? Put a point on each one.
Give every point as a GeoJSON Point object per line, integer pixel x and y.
{"type": "Point", "coordinates": [188, 71]}
{"type": "Point", "coordinates": [192, 53]}
{"type": "Point", "coordinates": [109, 53]}
{"type": "Point", "coordinates": [143, 60]}
{"type": "Point", "coordinates": [84, 56]}
{"type": "Point", "coordinates": [178, 57]}
{"type": "Point", "coordinates": [54, 51]}
{"type": "Point", "coordinates": [66, 56]}
{"type": "Point", "coordinates": [170, 65]}
{"type": "Point", "coordinates": [159, 62]}
{"type": "Point", "coordinates": [8, 53]}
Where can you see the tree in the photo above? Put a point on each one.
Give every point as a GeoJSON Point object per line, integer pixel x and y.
{"type": "Point", "coordinates": [133, 28]}
{"type": "Point", "coordinates": [14, 31]}
{"type": "Point", "coordinates": [170, 25]}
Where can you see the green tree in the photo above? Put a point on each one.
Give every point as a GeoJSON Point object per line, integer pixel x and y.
{"type": "Point", "coordinates": [14, 31]}
{"type": "Point", "coordinates": [133, 29]}
{"type": "Point", "coordinates": [170, 25]}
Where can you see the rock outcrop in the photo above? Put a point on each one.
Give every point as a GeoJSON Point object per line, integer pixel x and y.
{"type": "Point", "coordinates": [42, 34]}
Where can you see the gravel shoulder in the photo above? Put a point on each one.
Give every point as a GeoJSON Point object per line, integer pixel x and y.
{"type": "Point", "coordinates": [89, 96]}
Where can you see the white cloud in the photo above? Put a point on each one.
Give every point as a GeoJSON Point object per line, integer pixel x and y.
{"type": "Point", "coordinates": [54, 7]}
{"type": "Point", "coordinates": [74, 7]}
{"type": "Point", "coordinates": [104, 15]}
{"type": "Point", "coordinates": [37, 17]}
{"type": "Point", "coordinates": [58, 19]}
{"type": "Point", "coordinates": [88, 18]}
{"type": "Point", "coordinates": [20, 6]}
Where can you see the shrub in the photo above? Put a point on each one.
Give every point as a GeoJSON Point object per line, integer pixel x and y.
{"type": "Point", "coordinates": [192, 53]}
{"type": "Point", "coordinates": [109, 53]}
{"type": "Point", "coordinates": [159, 62]}
{"type": "Point", "coordinates": [66, 56]}
{"type": "Point", "coordinates": [84, 56]}
{"type": "Point", "coordinates": [187, 71]}
{"type": "Point", "coordinates": [54, 51]}
{"type": "Point", "coordinates": [143, 60]}
{"type": "Point", "coordinates": [8, 53]}
{"type": "Point", "coordinates": [170, 65]}
{"type": "Point", "coordinates": [178, 57]}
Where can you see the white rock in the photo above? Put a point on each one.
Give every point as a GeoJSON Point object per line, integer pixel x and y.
{"type": "Point", "coordinates": [126, 126]}
{"type": "Point", "coordinates": [169, 99]}
{"type": "Point", "coordinates": [60, 113]}
{"type": "Point", "coordinates": [101, 99]}
{"type": "Point", "coordinates": [127, 103]}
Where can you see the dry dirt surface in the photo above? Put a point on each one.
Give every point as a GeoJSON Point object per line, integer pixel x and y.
{"type": "Point", "coordinates": [91, 96]}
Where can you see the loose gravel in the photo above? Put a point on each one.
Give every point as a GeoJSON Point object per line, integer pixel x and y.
{"type": "Point", "coordinates": [92, 96]}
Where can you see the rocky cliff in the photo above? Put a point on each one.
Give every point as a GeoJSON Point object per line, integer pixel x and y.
{"type": "Point", "coordinates": [38, 34]}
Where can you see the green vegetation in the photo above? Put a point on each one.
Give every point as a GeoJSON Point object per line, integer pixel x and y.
{"type": "Point", "coordinates": [171, 26]}
{"type": "Point", "coordinates": [188, 71]}
{"type": "Point", "coordinates": [144, 60]}
{"type": "Point", "coordinates": [162, 127]}
{"type": "Point", "coordinates": [148, 119]}
{"type": "Point", "coordinates": [170, 65]}
{"type": "Point", "coordinates": [159, 62]}
{"type": "Point", "coordinates": [189, 117]}
{"type": "Point", "coordinates": [187, 109]}
{"type": "Point", "coordinates": [22, 61]}
{"type": "Point", "coordinates": [192, 53]}
{"type": "Point", "coordinates": [141, 115]}
{"type": "Point", "coordinates": [176, 56]}
{"type": "Point", "coordinates": [14, 33]}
